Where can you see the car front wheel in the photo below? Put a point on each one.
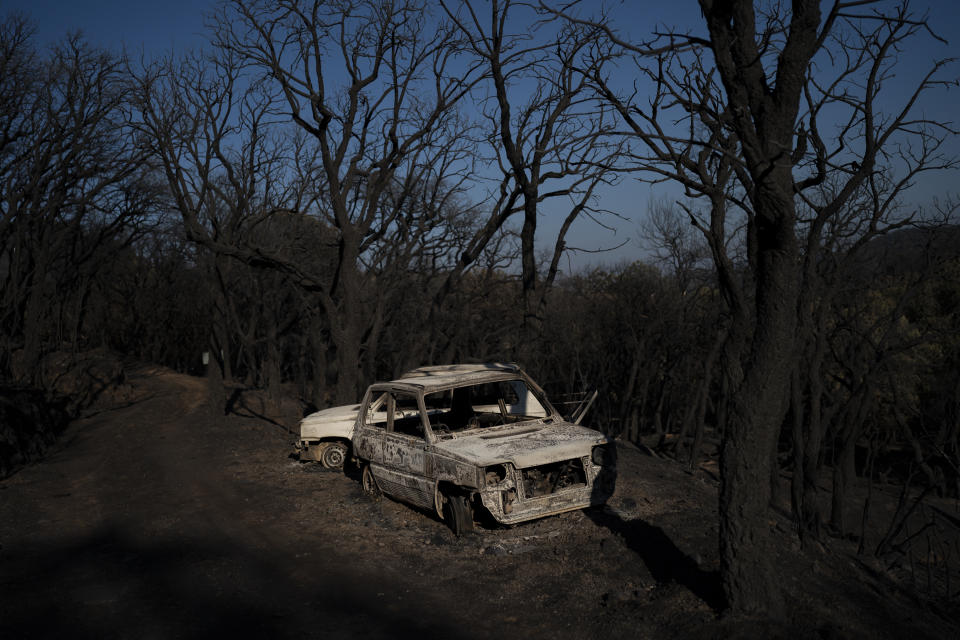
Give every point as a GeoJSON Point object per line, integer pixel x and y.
{"type": "Point", "coordinates": [334, 455]}
{"type": "Point", "coordinates": [458, 513]}
{"type": "Point", "coordinates": [368, 483]}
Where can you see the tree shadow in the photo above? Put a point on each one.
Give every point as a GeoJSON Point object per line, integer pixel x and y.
{"type": "Point", "coordinates": [237, 405]}
{"type": "Point", "coordinates": [665, 561]}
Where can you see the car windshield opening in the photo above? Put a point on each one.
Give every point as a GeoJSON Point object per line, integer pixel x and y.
{"type": "Point", "coordinates": [482, 405]}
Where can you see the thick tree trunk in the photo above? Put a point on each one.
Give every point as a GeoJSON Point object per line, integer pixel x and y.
{"type": "Point", "coordinates": [348, 362]}
{"type": "Point", "coordinates": [531, 329]}
{"type": "Point", "coordinates": [346, 315]}
{"type": "Point", "coordinates": [757, 409]}
{"type": "Point", "coordinates": [746, 551]}
{"type": "Point", "coordinates": [346, 331]}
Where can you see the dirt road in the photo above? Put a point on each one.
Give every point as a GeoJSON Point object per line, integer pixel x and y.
{"type": "Point", "coordinates": [156, 519]}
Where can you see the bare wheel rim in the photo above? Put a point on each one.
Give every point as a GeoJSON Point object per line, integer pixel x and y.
{"type": "Point", "coordinates": [334, 455]}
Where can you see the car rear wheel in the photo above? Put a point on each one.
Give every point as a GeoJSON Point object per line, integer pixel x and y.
{"type": "Point", "coordinates": [334, 455]}
{"type": "Point", "coordinates": [368, 483]}
{"type": "Point", "coordinates": [458, 513]}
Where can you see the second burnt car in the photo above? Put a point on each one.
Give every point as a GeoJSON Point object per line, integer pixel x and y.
{"type": "Point", "coordinates": [459, 438]}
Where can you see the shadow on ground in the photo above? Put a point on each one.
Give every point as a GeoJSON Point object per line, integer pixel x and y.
{"type": "Point", "coordinates": [108, 585]}
{"type": "Point", "coordinates": [238, 404]}
{"type": "Point", "coordinates": [665, 561]}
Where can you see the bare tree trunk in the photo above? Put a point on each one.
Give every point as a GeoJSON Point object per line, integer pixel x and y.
{"type": "Point", "coordinates": [628, 401]}
{"type": "Point", "coordinates": [272, 366]}
{"type": "Point", "coordinates": [633, 426]}
{"type": "Point", "coordinates": [703, 397]}
{"type": "Point", "coordinates": [346, 333]}
{"type": "Point", "coordinates": [810, 518]}
{"type": "Point", "coordinates": [318, 388]}
{"type": "Point", "coordinates": [532, 328]}
{"type": "Point", "coordinates": [33, 328]}
{"type": "Point", "coordinates": [658, 417]}
{"type": "Point", "coordinates": [843, 474]}
{"type": "Point", "coordinates": [797, 460]}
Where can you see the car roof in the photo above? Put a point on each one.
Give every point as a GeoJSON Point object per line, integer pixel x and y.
{"type": "Point", "coordinates": [451, 375]}
{"type": "Point", "coordinates": [443, 369]}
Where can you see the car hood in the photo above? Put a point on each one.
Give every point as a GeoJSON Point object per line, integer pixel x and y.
{"type": "Point", "coordinates": [332, 422]}
{"type": "Point", "coordinates": [527, 445]}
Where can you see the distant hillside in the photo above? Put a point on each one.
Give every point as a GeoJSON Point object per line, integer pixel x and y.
{"type": "Point", "coordinates": [907, 250]}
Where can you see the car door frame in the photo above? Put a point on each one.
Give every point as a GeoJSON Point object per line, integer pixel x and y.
{"type": "Point", "coordinates": [368, 439]}
{"type": "Point", "coordinates": [405, 465]}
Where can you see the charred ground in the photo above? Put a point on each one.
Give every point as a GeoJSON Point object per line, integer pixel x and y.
{"type": "Point", "coordinates": [155, 517]}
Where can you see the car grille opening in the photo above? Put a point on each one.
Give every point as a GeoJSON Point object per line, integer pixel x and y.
{"type": "Point", "coordinates": [551, 478]}
{"type": "Point", "coordinates": [495, 474]}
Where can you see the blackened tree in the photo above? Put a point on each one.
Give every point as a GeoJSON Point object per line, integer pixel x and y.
{"type": "Point", "coordinates": [738, 117]}
{"type": "Point", "coordinates": [73, 192]}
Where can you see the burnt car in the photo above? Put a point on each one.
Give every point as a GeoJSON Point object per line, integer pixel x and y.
{"type": "Point", "coordinates": [459, 438]}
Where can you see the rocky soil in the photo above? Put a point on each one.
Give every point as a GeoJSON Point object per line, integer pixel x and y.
{"type": "Point", "coordinates": [158, 518]}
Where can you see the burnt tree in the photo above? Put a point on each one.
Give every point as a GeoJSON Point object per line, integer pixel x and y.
{"type": "Point", "coordinates": [73, 191]}
{"type": "Point", "coordinates": [373, 89]}
{"type": "Point", "coordinates": [548, 133]}
{"type": "Point", "coordinates": [737, 117]}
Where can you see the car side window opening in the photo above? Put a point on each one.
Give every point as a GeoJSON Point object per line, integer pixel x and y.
{"type": "Point", "coordinates": [377, 415]}
{"type": "Point", "coordinates": [522, 401]}
{"type": "Point", "coordinates": [406, 415]}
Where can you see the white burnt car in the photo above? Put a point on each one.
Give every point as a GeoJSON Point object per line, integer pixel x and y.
{"type": "Point", "coordinates": [459, 438]}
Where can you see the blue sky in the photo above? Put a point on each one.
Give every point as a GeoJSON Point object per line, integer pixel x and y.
{"type": "Point", "coordinates": [163, 25]}
{"type": "Point", "coordinates": [154, 26]}
{"type": "Point", "coordinates": [158, 25]}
